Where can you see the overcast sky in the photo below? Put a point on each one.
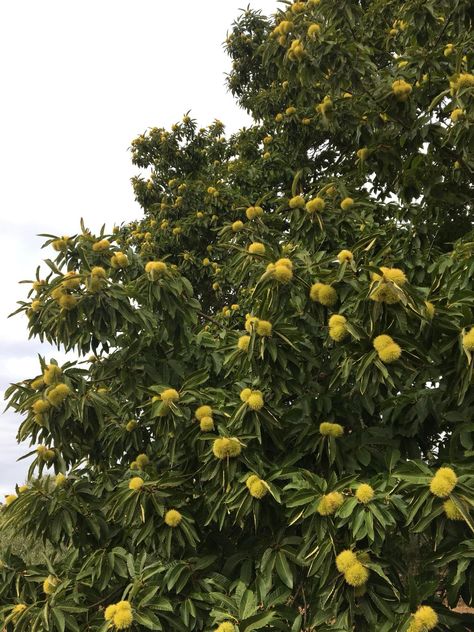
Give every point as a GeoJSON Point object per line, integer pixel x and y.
{"type": "Point", "coordinates": [80, 80]}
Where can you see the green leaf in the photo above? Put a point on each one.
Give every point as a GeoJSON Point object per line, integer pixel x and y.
{"type": "Point", "coordinates": [283, 569]}
{"type": "Point", "coordinates": [257, 622]}
{"type": "Point", "coordinates": [248, 605]}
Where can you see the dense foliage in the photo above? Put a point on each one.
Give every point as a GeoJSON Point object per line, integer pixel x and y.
{"type": "Point", "coordinates": [274, 430]}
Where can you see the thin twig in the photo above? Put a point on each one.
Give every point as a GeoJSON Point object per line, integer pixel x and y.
{"type": "Point", "coordinates": [210, 319]}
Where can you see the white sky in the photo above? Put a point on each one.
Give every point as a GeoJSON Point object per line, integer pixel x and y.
{"type": "Point", "coordinates": [80, 80]}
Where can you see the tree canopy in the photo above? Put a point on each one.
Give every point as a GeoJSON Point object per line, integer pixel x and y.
{"type": "Point", "coordinates": [269, 422]}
